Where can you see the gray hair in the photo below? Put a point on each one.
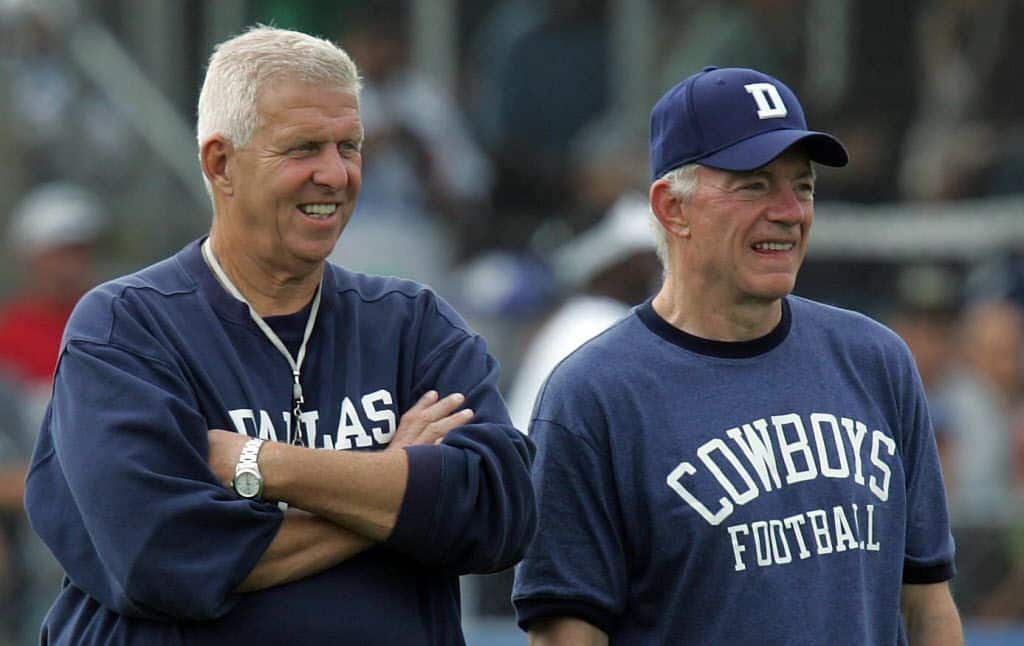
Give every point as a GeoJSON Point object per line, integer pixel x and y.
{"type": "Point", "coordinates": [240, 68]}
{"type": "Point", "coordinates": [682, 182]}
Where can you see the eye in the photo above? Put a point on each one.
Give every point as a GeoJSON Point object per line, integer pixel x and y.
{"type": "Point", "coordinates": [304, 148]}
{"type": "Point", "coordinates": [351, 147]}
{"type": "Point", "coordinates": [805, 188]}
{"type": "Point", "coordinates": [754, 185]}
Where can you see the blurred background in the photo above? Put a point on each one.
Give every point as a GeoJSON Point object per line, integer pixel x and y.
{"type": "Point", "coordinates": [505, 165]}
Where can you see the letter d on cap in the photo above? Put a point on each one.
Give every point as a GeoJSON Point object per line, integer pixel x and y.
{"type": "Point", "coordinates": [769, 103]}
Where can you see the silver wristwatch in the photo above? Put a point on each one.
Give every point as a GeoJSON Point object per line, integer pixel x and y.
{"type": "Point", "coordinates": [248, 483]}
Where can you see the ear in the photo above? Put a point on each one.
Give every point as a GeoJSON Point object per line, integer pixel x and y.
{"type": "Point", "coordinates": [670, 210]}
{"type": "Point", "coordinates": [214, 156]}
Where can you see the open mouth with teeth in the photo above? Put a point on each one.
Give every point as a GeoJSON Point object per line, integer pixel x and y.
{"type": "Point", "coordinates": [320, 211]}
{"type": "Point", "coordinates": [769, 247]}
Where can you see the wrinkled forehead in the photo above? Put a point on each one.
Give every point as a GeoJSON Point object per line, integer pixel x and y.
{"type": "Point", "coordinates": [795, 161]}
{"type": "Point", "coordinates": [293, 86]}
{"type": "Point", "coordinates": [296, 104]}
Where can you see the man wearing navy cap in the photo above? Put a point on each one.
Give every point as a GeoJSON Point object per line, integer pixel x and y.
{"type": "Point", "coordinates": [732, 463]}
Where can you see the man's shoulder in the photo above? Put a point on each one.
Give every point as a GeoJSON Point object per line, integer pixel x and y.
{"type": "Point", "coordinates": [847, 325]}
{"type": "Point", "coordinates": [94, 316]}
{"type": "Point", "coordinates": [389, 296]}
{"type": "Point", "coordinates": [605, 356]}
{"type": "Point", "coordinates": [373, 288]}
{"type": "Point", "coordinates": [839, 332]}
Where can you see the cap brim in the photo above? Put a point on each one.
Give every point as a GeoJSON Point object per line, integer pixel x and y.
{"type": "Point", "coordinates": [761, 149]}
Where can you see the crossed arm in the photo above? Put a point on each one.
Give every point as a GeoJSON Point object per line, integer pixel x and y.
{"type": "Point", "coordinates": [350, 500]}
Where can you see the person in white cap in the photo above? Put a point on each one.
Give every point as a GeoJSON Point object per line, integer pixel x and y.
{"type": "Point", "coordinates": [732, 464]}
{"type": "Point", "coordinates": [608, 268]}
{"type": "Point", "coordinates": [53, 235]}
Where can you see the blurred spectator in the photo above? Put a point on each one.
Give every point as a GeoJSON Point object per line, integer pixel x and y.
{"type": "Point", "coordinates": [490, 45]}
{"type": "Point", "coordinates": [1004, 100]}
{"type": "Point", "coordinates": [425, 180]}
{"type": "Point", "coordinates": [552, 83]}
{"type": "Point", "coordinates": [1001, 277]}
{"type": "Point", "coordinates": [984, 396]}
{"type": "Point", "coordinates": [608, 269]}
{"type": "Point", "coordinates": [1001, 600]}
{"type": "Point", "coordinates": [953, 145]}
{"type": "Point", "coordinates": [925, 317]}
{"type": "Point", "coordinates": [878, 89]}
{"type": "Point", "coordinates": [62, 126]}
{"type": "Point", "coordinates": [421, 158]}
{"type": "Point", "coordinates": [16, 437]}
{"type": "Point", "coordinates": [991, 562]}
{"type": "Point", "coordinates": [499, 292]}
{"type": "Point", "coordinates": [607, 159]}
{"type": "Point", "coordinates": [53, 235]}
{"type": "Point", "coordinates": [736, 33]}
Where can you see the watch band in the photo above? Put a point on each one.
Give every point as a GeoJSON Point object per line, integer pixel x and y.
{"type": "Point", "coordinates": [248, 481]}
{"type": "Point", "coordinates": [249, 458]}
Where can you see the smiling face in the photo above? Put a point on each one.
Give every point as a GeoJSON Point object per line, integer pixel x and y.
{"type": "Point", "coordinates": [294, 186]}
{"type": "Point", "coordinates": [748, 231]}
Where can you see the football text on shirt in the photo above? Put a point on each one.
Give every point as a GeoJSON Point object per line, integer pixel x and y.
{"type": "Point", "coordinates": [750, 466]}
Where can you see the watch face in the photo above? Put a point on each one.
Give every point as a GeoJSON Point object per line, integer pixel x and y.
{"type": "Point", "coordinates": [248, 484]}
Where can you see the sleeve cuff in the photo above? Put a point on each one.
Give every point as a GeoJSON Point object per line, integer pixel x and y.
{"type": "Point", "coordinates": [415, 523]}
{"type": "Point", "coordinates": [529, 611]}
{"type": "Point", "coordinates": [917, 575]}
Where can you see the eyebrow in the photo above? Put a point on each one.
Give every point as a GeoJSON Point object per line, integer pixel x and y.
{"type": "Point", "coordinates": [295, 132]}
{"type": "Point", "coordinates": [289, 140]}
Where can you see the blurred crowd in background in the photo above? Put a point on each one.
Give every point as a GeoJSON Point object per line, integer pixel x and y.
{"type": "Point", "coordinates": [516, 186]}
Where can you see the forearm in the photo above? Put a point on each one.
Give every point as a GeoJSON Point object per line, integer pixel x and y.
{"type": "Point", "coordinates": [930, 616]}
{"type": "Point", "coordinates": [359, 491]}
{"type": "Point", "coordinates": [566, 631]}
{"type": "Point", "coordinates": [304, 545]}
{"type": "Point", "coordinates": [935, 629]}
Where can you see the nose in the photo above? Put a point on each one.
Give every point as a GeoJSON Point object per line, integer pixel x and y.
{"type": "Point", "coordinates": [788, 207]}
{"type": "Point", "coordinates": [332, 171]}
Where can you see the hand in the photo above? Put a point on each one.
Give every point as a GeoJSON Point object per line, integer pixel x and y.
{"type": "Point", "coordinates": [429, 420]}
{"type": "Point", "coordinates": [225, 447]}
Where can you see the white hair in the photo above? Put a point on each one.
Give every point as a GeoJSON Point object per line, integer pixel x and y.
{"type": "Point", "coordinates": [682, 183]}
{"type": "Point", "coordinates": [242, 66]}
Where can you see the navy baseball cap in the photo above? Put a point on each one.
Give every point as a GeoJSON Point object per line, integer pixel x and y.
{"type": "Point", "coordinates": [734, 119]}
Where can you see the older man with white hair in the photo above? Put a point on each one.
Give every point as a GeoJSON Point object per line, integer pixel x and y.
{"type": "Point", "coordinates": [368, 458]}
{"type": "Point", "coordinates": [733, 464]}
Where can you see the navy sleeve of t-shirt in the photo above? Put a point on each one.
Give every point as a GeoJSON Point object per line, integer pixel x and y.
{"type": "Point", "coordinates": [140, 523]}
{"type": "Point", "coordinates": [578, 570]}
{"type": "Point", "coordinates": [929, 546]}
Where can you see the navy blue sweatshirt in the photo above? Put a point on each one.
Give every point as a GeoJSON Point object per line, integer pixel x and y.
{"type": "Point", "coordinates": [154, 546]}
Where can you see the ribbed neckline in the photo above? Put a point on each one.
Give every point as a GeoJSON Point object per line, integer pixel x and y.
{"type": "Point", "coordinates": [711, 348]}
